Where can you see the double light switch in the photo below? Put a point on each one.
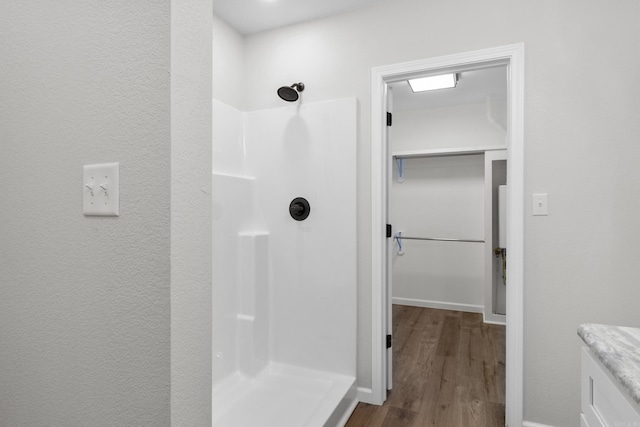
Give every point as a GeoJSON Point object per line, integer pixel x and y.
{"type": "Point", "coordinates": [101, 195]}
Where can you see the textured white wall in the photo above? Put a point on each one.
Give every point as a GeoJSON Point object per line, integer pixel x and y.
{"type": "Point", "coordinates": [191, 298]}
{"type": "Point", "coordinates": [84, 307]}
{"type": "Point", "coordinates": [580, 260]}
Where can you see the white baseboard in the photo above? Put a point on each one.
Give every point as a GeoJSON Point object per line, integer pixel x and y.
{"type": "Point", "coordinates": [365, 395]}
{"type": "Point", "coordinates": [347, 414]}
{"type": "Point", "coordinates": [495, 319]}
{"type": "Point", "coordinates": [439, 304]}
{"type": "Point", "coordinates": [531, 424]}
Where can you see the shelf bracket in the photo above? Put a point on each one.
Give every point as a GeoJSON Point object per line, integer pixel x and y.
{"type": "Point", "coordinates": [400, 162]}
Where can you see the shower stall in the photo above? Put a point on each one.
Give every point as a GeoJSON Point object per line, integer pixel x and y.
{"type": "Point", "coordinates": [284, 264]}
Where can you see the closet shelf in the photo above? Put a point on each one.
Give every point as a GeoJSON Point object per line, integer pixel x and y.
{"type": "Point", "coordinates": [440, 152]}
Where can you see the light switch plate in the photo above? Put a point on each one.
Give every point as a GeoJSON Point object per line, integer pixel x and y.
{"type": "Point", "coordinates": [540, 204]}
{"type": "Point", "coordinates": [101, 189]}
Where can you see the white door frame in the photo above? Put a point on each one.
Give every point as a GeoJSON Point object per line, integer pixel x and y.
{"type": "Point", "coordinates": [513, 56]}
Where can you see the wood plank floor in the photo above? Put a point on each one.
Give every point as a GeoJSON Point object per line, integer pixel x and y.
{"type": "Point", "coordinates": [448, 371]}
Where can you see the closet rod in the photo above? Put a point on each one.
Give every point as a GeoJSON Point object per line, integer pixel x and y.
{"type": "Point", "coordinates": [439, 239]}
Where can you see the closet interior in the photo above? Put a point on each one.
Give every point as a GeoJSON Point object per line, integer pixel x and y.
{"type": "Point", "coordinates": [448, 184]}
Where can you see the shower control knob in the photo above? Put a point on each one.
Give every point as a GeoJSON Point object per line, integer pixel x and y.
{"type": "Point", "coordinates": [299, 209]}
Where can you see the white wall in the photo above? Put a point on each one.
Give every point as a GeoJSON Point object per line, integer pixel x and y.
{"type": "Point", "coordinates": [581, 133]}
{"type": "Point", "coordinates": [228, 65]}
{"type": "Point", "coordinates": [191, 306]}
{"type": "Point", "coordinates": [105, 320]}
{"type": "Point", "coordinates": [84, 312]}
{"type": "Point", "coordinates": [461, 126]}
{"type": "Point", "coordinates": [440, 197]}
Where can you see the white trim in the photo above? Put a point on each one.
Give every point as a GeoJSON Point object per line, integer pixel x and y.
{"type": "Point", "coordinates": [514, 396]}
{"type": "Point", "coordinates": [378, 264]}
{"type": "Point", "coordinates": [531, 424]}
{"type": "Point", "coordinates": [470, 308]}
{"type": "Point", "coordinates": [490, 314]}
{"type": "Point", "coordinates": [496, 319]}
{"type": "Point", "coordinates": [513, 55]}
{"type": "Point", "coordinates": [347, 413]}
{"type": "Point", "coordinates": [365, 395]}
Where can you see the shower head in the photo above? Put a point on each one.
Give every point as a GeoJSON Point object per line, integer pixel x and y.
{"type": "Point", "coordinates": [290, 93]}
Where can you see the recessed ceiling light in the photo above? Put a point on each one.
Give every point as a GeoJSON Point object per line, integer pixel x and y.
{"type": "Point", "coordinates": [443, 81]}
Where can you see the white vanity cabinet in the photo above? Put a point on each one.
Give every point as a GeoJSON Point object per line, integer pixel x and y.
{"type": "Point", "coordinates": [604, 402]}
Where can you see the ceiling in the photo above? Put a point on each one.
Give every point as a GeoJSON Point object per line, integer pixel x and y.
{"type": "Point", "coordinates": [252, 16]}
{"type": "Point", "coordinates": [473, 87]}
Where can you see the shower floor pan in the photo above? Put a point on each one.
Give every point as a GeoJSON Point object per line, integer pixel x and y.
{"type": "Point", "coordinates": [284, 396]}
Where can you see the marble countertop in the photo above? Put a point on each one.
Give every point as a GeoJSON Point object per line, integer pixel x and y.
{"type": "Point", "coordinates": [618, 348]}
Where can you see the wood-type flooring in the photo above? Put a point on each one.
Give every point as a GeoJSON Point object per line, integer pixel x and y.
{"type": "Point", "coordinates": [448, 371]}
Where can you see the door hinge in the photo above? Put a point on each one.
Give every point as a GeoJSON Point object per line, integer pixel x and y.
{"type": "Point", "coordinates": [389, 341]}
{"type": "Point", "coordinates": [389, 119]}
{"type": "Point", "coordinates": [389, 231]}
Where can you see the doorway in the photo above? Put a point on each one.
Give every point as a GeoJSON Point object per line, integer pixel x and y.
{"type": "Point", "coordinates": [512, 57]}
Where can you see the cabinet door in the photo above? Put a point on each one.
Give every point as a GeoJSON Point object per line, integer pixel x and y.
{"type": "Point", "coordinates": [603, 402]}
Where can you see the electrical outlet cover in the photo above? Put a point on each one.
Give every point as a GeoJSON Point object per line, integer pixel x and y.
{"type": "Point", "coordinates": [101, 189]}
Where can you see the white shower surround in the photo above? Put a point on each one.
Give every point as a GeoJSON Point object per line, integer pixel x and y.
{"type": "Point", "coordinates": [284, 292]}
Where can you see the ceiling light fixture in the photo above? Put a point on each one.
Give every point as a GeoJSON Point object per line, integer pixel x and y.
{"type": "Point", "coordinates": [443, 81]}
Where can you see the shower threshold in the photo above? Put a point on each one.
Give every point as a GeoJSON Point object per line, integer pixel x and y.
{"type": "Point", "coordinates": [284, 396]}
